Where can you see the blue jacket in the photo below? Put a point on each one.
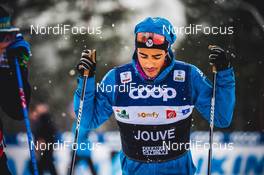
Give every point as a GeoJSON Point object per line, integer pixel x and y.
{"type": "Point", "coordinates": [98, 108]}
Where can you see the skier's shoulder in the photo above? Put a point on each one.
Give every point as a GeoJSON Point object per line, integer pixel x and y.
{"type": "Point", "coordinates": [111, 74]}
{"type": "Point", "coordinates": [119, 68]}
{"type": "Point", "coordinates": [194, 70]}
{"type": "Point", "coordinates": [20, 42]}
{"type": "Point", "coordinates": [179, 63]}
{"type": "Point", "coordinates": [124, 67]}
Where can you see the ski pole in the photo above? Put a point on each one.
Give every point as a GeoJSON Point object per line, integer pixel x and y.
{"type": "Point", "coordinates": [26, 118]}
{"type": "Point", "coordinates": [212, 111]}
{"type": "Point", "coordinates": [85, 74]}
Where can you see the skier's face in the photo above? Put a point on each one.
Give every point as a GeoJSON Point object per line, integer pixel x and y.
{"type": "Point", "coordinates": [151, 60]}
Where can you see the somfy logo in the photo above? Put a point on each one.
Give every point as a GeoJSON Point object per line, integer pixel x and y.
{"type": "Point", "coordinates": [155, 92]}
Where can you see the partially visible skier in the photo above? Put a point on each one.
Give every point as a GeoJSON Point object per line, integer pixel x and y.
{"type": "Point", "coordinates": [12, 45]}
{"type": "Point", "coordinates": [44, 132]}
{"type": "Point", "coordinates": [155, 111]}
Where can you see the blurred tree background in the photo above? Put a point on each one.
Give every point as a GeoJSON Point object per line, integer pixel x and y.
{"type": "Point", "coordinates": [52, 67]}
{"type": "Point", "coordinates": [245, 47]}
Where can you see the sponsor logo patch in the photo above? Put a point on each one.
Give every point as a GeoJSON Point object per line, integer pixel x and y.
{"type": "Point", "coordinates": [122, 114]}
{"type": "Point", "coordinates": [154, 150]}
{"type": "Point", "coordinates": [126, 77]}
{"type": "Point", "coordinates": [171, 114]}
{"type": "Point", "coordinates": [155, 135]}
{"type": "Point", "coordinates": [179, 75]}
{"type": "Point", "coordinates": [148, 114]}
{"type": "Point", "coordinates": [149, 43]}
{"type": "Point", "coordinates": [185, 111]}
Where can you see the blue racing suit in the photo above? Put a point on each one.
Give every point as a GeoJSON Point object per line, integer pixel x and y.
{"type": "Point", "coordinates": [148, 119]}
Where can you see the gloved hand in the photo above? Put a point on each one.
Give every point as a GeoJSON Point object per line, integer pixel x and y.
{"type": "Point", "coordinates": [87, 62]}
{"type": "Point", "coordinates": [218, 58]}
{"type": "Point", "coordinates": [21, 53]}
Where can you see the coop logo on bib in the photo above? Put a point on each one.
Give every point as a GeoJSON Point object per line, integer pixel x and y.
{"type": "Point", "coordinates": [155, 92]}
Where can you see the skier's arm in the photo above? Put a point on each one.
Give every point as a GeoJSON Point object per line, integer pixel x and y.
{"type": "Point", "coordinates": [11, 102]}
{"type": "Point", "coordinates": [98, 102]}
{"type": "Point", "coordinates": [225, 95]}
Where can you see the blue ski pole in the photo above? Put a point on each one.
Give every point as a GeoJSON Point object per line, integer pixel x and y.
{"type": "Point", "coordinates": [26, 118]}
{"type": "Point", "coordinates": [211, 131]}
{"type": "Point", "coordinates": [85, 74]}
{"type": "Point", "coordinates": [212, 113]}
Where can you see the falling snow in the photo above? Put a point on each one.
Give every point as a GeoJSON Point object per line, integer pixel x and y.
{"type": "Point", "coordinates": [63, 114]}
{"type": "Point", "coordinates": [72, 72]}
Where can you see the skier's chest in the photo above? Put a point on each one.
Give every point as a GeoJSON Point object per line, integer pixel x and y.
{"type": "Point", "coordinates": [174, 90]}
{"type": "Point", "coordinates": [139, 102]}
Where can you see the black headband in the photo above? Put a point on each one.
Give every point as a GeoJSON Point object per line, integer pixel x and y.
{"type": "Point", "coordinates": [151, 45]}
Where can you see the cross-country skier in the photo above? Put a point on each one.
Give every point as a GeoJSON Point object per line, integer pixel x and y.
{"type": "Point", "coordinates": [155, 111]}
{"type": "Point", "coordinates": [12, 45]}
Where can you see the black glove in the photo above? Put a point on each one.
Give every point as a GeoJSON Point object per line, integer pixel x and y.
{"type": "Point", "coordinates": [218, 57]}
{"type": "Point", "coordinates": [21, 53]}
{"type": "Point", "coordinates": [86, 63]}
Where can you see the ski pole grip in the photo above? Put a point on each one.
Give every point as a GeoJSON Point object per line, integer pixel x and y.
{"type": "Point", "coordinates": [93, 55]}
{"type": "Point", "coordinates": [86, 73]}
{"type": "Point", "coordinates": [214, 69]}
{"type": "Point", "coordinates": [210, 46]}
